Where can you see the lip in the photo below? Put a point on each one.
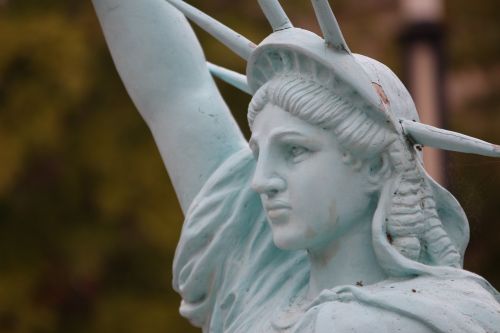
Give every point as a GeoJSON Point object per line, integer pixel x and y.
{"type": "Point", "coordinates": [277, 211]}
{"type": "Point", "coordinates": [276, 205]}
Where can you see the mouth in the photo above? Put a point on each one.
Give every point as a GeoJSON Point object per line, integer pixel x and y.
{"type": "Point", "coordinates": [276, 210]}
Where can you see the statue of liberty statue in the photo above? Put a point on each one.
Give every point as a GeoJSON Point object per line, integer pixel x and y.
{"type": "Point", "coordinates": [325, 221]}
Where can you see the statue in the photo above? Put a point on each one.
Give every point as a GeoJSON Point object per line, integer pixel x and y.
{"type": "Point", "coordinates": [326, 220]}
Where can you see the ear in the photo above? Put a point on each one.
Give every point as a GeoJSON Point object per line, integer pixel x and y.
{"type": "Point", "coordinates": [377, 171]}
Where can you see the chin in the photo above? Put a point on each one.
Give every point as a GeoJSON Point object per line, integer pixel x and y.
{"type": "Point", "coordinates": [288, 242]}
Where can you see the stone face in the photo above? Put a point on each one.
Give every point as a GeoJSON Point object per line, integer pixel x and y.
{"type": "Point", "coordinates": [326, 220]}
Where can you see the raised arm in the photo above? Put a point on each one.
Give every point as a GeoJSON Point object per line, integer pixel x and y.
{"type": "Point", "coordinates": [163, 68]}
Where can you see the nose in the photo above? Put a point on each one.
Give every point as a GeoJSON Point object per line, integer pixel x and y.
{"type": "Point", "coordinates": [266, 179]}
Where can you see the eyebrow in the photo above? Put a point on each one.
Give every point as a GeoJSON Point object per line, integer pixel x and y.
{"type": "Point", "coordinates": [277, 134]}
{"type": "Point", "coordinates": [280, 134]}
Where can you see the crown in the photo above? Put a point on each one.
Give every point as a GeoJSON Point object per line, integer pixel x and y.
{"type": "Point", "coordinates": [277, 53]}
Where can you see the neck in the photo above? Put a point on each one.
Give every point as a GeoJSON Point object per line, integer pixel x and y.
{"type": "Point", "coordinates": [348, 260]}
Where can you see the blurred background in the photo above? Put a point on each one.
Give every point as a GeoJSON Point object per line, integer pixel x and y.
{"type": "Point", "coordinates": [88, 219]}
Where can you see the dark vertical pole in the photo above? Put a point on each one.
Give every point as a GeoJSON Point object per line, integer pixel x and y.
{"type": "Point", "coordinates": [422, 40]}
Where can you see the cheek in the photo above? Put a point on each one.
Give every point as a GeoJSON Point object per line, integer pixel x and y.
{"type": "Point", "coordinates": [325, 218]}
{"type": "Point", "coordinates": [310, 232]}
{"type": "Point", "coordinates": [333, 214]}
{"type": "Point", "coordinates": [314, 191]}
{"type": "Point", "coordinates": [315, 208]}
{"type": "Point", "coordinates": [323, 222]}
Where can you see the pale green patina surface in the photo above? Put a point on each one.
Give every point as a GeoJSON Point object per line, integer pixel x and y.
{"type": "Point", "coordinates": [326, 221]}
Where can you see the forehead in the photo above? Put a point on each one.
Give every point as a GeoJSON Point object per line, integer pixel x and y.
{"type": "Point", "coordinates": [273, 120]}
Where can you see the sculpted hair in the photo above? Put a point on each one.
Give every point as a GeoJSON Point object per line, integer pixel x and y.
{"type": "Point", "coordinates": [413, 225]}
{"type": "Point", "coordinates": [310, 101]}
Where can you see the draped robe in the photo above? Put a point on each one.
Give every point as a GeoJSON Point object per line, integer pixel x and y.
{"type": "Point", "coordinates": [232, 278]}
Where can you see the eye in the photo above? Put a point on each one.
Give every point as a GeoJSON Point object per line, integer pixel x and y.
{"type": "Point", "coordinates": [297, 153]}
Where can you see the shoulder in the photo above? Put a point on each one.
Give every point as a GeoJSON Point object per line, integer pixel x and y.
{"type": "Point", "coordinates": [415, 305]}
{"type": "Point", "coordinates": [358, 318]}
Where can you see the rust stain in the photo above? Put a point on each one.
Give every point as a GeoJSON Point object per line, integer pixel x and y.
{"type": "Point", "coordinates": [380, 91]}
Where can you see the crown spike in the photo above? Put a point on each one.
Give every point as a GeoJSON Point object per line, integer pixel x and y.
{"type": "Point", "coordinates": [233, 40]}
{"type": "Point", "coordinates": [275, 14]}
{"type": "Point", "coordinates": [329, 25]}
{"type": "Point", "coordinates": [233, 78]}
{"type": "Point", "coordinates": [439, 138]}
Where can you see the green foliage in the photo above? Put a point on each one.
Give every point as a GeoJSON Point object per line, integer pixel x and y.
{"type": "Point", "coordinates": [88, 220]}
